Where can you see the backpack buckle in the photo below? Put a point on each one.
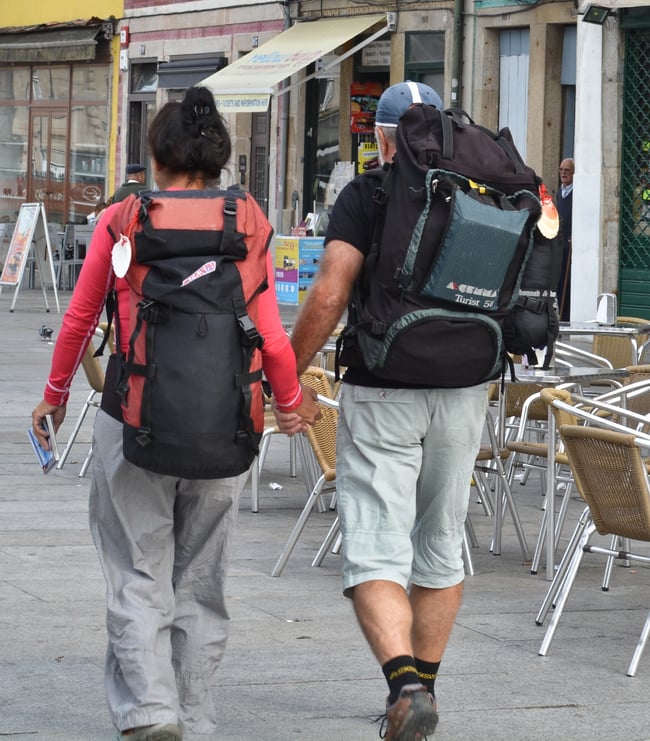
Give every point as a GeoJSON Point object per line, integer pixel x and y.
{"type": "Point", "coordinates": [249, 330]}
{"type": "Point", "coordinates": [143, 438]}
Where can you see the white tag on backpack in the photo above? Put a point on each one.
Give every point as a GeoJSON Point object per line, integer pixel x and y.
{"type": "Point", "coordinates": [121, 256]}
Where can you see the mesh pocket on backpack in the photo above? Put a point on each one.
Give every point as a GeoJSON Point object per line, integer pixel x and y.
{"type": "Point", "coordinates": [476, 252]}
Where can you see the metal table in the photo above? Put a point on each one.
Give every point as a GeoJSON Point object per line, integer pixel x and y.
{"type": "Point", "coordinates": [618, 329]}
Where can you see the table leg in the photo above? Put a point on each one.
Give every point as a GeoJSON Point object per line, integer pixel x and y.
{"type": "Point", "coordinates": [550, 497]}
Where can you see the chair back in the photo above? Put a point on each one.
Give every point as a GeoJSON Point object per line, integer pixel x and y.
{"type": "Point", "coordinates": [562, 416]}
{"type": "Point", "coordinates": [611, 476]}
{"type": "Point", "coordinates": [516, 395]}
{"type": "Point", "coordinates": [618, 350]}
{"type": "Point", "coordinates": [639, 403]}
{"type": "Point", "coordinates": [322, 435]}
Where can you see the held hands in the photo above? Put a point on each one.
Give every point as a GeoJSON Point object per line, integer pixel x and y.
{"type": "Point", "coordinates": [305, 415]}
{"type": "Point", "coordinates": [38, 419]}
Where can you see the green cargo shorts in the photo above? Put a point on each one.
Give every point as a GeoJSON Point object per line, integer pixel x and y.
{"type": "Point", "coordinates": [403, 473]}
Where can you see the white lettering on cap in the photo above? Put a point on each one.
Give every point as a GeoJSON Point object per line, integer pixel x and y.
{"type": "Point", "coordinates": [415, 92]}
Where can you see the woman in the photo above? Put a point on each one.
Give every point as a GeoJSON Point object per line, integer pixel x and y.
{"type": "Point", "coordinates": [163, 541]}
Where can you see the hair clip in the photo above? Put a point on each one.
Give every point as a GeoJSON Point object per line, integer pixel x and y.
{"type": "Point", "coordinates": [201, 110]}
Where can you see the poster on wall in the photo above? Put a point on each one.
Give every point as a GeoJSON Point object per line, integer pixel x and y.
{"type": "Point", "coordinates": [367, 157]}
{"type": "Point", "coordinates": [364, 97]}
{"type": "Point", "coordinates": [297, 260]}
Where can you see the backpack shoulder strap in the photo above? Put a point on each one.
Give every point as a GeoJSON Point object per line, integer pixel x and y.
{"type": "Point", "coordinates": [232, 241]}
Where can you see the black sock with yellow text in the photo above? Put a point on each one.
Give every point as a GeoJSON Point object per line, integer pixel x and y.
{"type": "Point", "coordinates": [427, 673]}
{"type": "Point", "coordinates": [399, 672]}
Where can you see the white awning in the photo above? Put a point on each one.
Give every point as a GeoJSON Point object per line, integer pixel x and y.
{"type": "Point", "coordinates": [247, 84]}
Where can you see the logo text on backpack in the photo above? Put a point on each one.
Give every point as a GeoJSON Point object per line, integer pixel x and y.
{"type": "Point", "coordinates": [208, 267]}
{"type": "Point", "coordinates": [464, 294]}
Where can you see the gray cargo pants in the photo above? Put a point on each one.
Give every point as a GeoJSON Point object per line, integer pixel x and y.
{"type": "Point", "coordinates": [163, 545]}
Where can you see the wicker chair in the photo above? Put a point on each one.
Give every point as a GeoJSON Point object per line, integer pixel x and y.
{"type": "Point", "coordinates": [490, 461]}
{"type": "Point", "coordinates": [620, 351]}
{"type": "Point", "coordinates": [527, 415]}
{"type": "Point", "coordinates": [611, 476]}
{"type": "Point", "coordinates": [634, 395]}
{"type": "Point", "coordinates": [322, 441]}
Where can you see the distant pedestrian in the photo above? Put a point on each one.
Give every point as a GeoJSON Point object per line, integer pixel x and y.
{"type": "Point", "coordinates": [135, 182]}
{"type": "Point", "coordinates": [94, 215]}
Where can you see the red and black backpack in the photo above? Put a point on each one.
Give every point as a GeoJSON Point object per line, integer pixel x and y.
{"type": "Point", "coordinates": [190, 385]}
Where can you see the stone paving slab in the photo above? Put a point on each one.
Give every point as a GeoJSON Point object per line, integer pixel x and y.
{"type": "Point", "coordinates": [296, 666]}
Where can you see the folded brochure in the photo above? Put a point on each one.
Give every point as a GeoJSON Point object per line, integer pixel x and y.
{"type": "Point", "coordinates": [47, 458]}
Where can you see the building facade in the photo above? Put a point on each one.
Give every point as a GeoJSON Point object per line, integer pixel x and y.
{"type": "Point", "coordinates": [298, 84]}
{"type": "Point", "coordinates": [55, 106]}
{"type": "Point", "coordinates": [170, 45]}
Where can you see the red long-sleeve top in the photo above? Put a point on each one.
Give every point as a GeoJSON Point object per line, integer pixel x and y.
{"type": "Point", "coordinates": [95, 281]}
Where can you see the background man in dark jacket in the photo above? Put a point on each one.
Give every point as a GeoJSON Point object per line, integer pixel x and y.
{"type": "Point", "coordinates": [135, 175]}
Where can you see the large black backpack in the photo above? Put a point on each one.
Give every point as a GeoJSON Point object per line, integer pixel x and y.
{"type": "Point", "coordinates": [455, 231]}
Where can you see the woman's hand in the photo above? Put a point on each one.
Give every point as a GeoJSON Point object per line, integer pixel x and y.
{"type": "Point", "coordinates": [38, 421]}
{"type": "Point", "coordinates": [298, 419]}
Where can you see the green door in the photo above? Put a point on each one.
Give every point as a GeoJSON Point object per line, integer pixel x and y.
{"type": "Point", "coordinates": [634, 267]}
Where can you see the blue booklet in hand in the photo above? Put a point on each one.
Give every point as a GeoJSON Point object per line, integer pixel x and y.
{"type": "Point", "coordinates": [47, 458]}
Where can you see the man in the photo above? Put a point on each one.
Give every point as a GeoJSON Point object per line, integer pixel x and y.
{"type": "Point", "coordinates": [565, 208]}
{"type": "Point", "coordinates": [404, 463]}
{"type": "Point", "coordinates": [134, 183]}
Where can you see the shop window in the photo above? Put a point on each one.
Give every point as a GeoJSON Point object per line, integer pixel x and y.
{"type": "Point", "coordinates": [90, 82]}
{"type": "Point", "coordinates": [14, 125]}
{"type": "Point", "coordinates": [88, 149]}
{"type": "Point", "coordinates": [14, 84]}
{"type": "Point", "coordinates": [142, 106]}
{"type": "Point", "coordinates": [144, 78]}
{"type": "Point", "coordinates": [321, 140]}
{"type": "Point", "coordinates": [185, 70]}
{"type": "Point", "coordinates": [53, 149]}
{"type": "Point", "coordinates": [425, 59]}
{"type": "Point", "coordinates": [50, 84]}
{"type": "Point", "coordinates": [371, 77]}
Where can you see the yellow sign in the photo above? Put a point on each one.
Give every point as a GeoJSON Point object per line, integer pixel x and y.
{"type": "Point", "coordinates": [368, 157]}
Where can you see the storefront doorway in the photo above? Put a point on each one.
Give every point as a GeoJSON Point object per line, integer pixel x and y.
{"type": "Point", "coordinates": [47, 180]}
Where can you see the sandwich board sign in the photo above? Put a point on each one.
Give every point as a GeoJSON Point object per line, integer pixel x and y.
{"type": "Point", "coordinates": [30, 237]}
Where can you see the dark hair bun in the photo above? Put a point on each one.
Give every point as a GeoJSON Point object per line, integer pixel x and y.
{"type": "Point", "coordinates": [198, 110]}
